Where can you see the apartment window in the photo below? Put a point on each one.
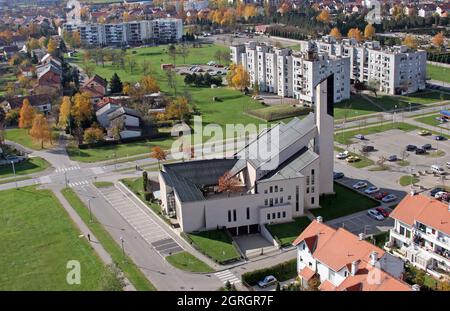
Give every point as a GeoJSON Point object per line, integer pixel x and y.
{"type": "Point", "coordinates": [281, 200]}
{"type": "Point", "coordinates": [281, 189]}
{"type": "Point", "coordinates": [296, 198]}
{"type": "Point", "coordinates": [271, 202]}
{"type": "Point", "coordinates": [229, 216]}
{"type": "Point", "coordinates": [265, 191]}
{"type": "Point", "coordinates": [312, 200]}
{"type": "Point", "coordinates": [234, 215]}
{"type": "Point", "coordinates": [284, 214]}
{"type": "Point", "coordinates": [268, 216]}
{"type": "Point", "coordinates": [312, 189]}
{"type": "Point", "coordinates": [279, 214]}
{"type": "Point", "coordinates": [273, 215]}
{"type": "Point", "coordinates": [346, 273]}
{"type": "Point", "coordinates": [248, 212]}
{"type": "Point", "coordinates": [307, 180]}
{"type": "Point", "coordinates": [271, 189]}
{"type": "Point", "coordinates": [402, 230]}
{"type": "Point", "coordinates": [265, 202]}
{"type": "Point", "coordinates": [276, 200]}
{"type": "Point", "coordinates": [408, 234]}
{"type": "Point", "coordinates": [276, 188]}
{"type": "Point", "coordinates": [307, 190]}
{"type": "Point", "coordinates": [289, 197]}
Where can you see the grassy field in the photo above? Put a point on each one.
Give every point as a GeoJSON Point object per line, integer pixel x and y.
{"type": "Point", "coordinates": [215, 244]}
{"type": "Point", "coordinates": [188, 262]}
{"type": "Point", "coordinates": [103, 184]}
{"type": "Point", "coordinates": [32, 165]}
{"type": "Point", "coordinates": [438, 73]}
{"type": "Point", "coordinates": [286, 233]}
{"type": "Point", "coordinates": [431, 120]}
{"type": "Point", "coordinates": [344, 202]}
{"type": "Point", "coordinates": [38, 240]}
{"type": "Point", "coordinates": [418, 99]}
{"type": "Point", "coordinates": [21, 136]}
{"type": "Point", "coordinates": [347, 137]}
{"type": "Point", "coordinates": [356, 106]}
{"type": "Point", "coordinates": [131, 271]}
{"type": "Point", "coordinates": [406, 180]}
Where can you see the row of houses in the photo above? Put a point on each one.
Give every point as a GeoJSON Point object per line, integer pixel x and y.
{"type": "Point", "coordinates": [289, 73]}
{"type": "Point", "coordinates": [138, 32]}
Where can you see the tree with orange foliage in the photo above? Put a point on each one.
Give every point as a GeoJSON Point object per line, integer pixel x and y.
{"type": "Point", "coordinates": [26, 114]}
{"type": "Point", "coordinates": [336, 33]}
{"type": "Point", "coordinates": [439, 39]}
{"type": "Point", "coordinates": [82, 108]}
{"type": "Point", "coordinates": [228, 183]}
{"type": "Point", "coordinates": [40, 130]}
{"type": "Point", "coordinates": [159, 154]}
{"type": "Point", "coordinates": [324, 17]}
{"type": "Point", "coordinates": [238, 77]}
{"type": "Point", "coordinates": [249, 11]}
{"type": "Point", "coordinates": [52, 47]}
{"type": "Point", "coordinates": [229, 17]}
{"type": "Point", "coordinates": [369, 31]}
{"type": "Point", "coordinates": [355, 33]}
{"type": "Point", "coordinates": [410, 41]}
{"type": "Point", "coordinates": [148, 85]}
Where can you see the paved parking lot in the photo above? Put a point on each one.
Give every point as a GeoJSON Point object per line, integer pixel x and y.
{"type": "Point", "coordinates": [362, 223]}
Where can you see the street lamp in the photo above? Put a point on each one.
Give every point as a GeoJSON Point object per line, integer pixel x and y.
{"type": "Point", "coordinates": [14, 172]}
{"type": "Point", "coordinates": [123, 249]}
{"type": "Point", "coordinates": [412, 179]}
{"type": "Point", "coordinates": [90, 211]}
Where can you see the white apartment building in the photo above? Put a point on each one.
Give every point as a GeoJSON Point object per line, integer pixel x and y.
{"type": "Point", "coordinates": [342, 261]}
{"type": "Point", "coordinates": [302, 172]}
{"type": "Point", "coordinates": [292, 74]}
{"type": "Point", "coordinates": [137, 32]}
{"type": "Point", "coordinates": [421, 233]}
{"type": "Point", "coordinates": [396, 70]}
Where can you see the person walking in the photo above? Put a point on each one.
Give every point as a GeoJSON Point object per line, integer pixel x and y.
{"type": "Point", "coordinates": [89, 237]}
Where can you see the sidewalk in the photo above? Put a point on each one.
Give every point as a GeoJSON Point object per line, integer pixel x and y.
{"type": "Point", "coordinates": [98, 248]}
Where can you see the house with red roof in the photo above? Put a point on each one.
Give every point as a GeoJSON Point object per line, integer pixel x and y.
{"type": "Point", "coordinates": [340, 261]}
{"type": "Point", "coordinates": [421, 234]}
{"type": "Point", "coordinates": [95, 87]}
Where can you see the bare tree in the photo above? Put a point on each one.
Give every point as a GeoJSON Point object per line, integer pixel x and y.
{"type": "Point", "coordinates": [171, 80]}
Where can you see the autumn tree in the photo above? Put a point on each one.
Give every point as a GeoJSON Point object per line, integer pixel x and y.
{"type": "Point", "coordinates": [82, 108]}
{"type": "Point", "coordinates": [40, 130]}
{"type": "Point", "coordinates": [93, 134]}
{"type": "Point", "coordinates": [238, 77]}
{"type": "Point", "coordinates": [355, 33]}
{"type": "Point", "coordinates": [228, 183]}
{"type": "Point", "coordinates": [439, 39]}
{"type": "Point", "coordinates": [52, 47]}
{"type": "Point", "coordinates": [148, 85]}
{"type": "Point", "coordinates": [178, 109]}
{"type": "Point", "coordinates": [249, 11]}
{"type": "Point", "coordinates": [369, 32]}
{"type": "Point", "coordinates": [324, 17]}
{"type": "Point", "coordinates": [76, 39]}
{"type": "Point", "coordinates": [159, 154]}
{"type": "Point", "coordinates": [64, 112]}
{"type": "Point", "coordinates": [410, 41]}
{"type": "Point", "coordinates": [26, 114]}
{"type": "Point", "coordinates": [336, 33]}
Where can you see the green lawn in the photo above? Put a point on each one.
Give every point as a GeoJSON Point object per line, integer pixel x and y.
{"type": "Point", "coordinates": [417, 100]}
{"type": "Point", "coordinates": [136, 185]}
{"type": "Point", "coordinates": [344, 202]}
{"type": "Point", "coordinates": [380, 239]}
{"type": "Point", "coordinates": [188, 262]}
{"type": "Point", "coordinates": [356, 106]}
{"type": "Point", "coordinates": [216, 244]}
{"type": "Point", "coordinates": [131, 271]}
{"type": "Point", "coordinates": [438, 73]}
{"type": "Point", "coordinates": [347, 137]}
{"type": "Point", "coordinates": [406, 180]}
{"type": "Point", "coordinates": [32, 165]}
{"type": "Point", "coordinates": [21, 137]}
{"type": "Point", "coordinates": [103, 184]}
{"type": "Point", "coordinates": [430, 120]}
{"type": "Point", "coordinates": [286, 233]}
{"type": "Point", "coordinates": [38, 240]}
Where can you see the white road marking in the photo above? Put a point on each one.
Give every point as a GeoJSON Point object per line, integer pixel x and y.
{"type": "Point", "coordinates": [227, 275]}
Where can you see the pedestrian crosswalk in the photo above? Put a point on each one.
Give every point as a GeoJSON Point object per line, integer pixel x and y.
{"type": "Point", "coordinates": [227, 276]}
{"type": "Point", "coordinates": [66, 169]}
{"type": "Point", "coordinates": [78, 183]}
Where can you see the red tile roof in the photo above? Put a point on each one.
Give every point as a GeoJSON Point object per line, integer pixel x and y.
{"type": "Point", "coordinates": [423, 209]}
{"type": "Point", "coordinates": [306, 273]}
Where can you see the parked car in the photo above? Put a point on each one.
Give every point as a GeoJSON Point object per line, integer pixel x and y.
{"type": "Point", "coordinates": [381, 195]}
{"type": "Point", "coordinates": [436, 190]}
{"type": "Point", "coordinates": [360, 185]}
{"type": "Point", "coordinates": [440, 194]}
{"type": "Point", "coordinates": [352, 159]}
{"type": "Point", "coordinates": [426, 147]}
{"type": "Point", "coordinates": [374, 214]}
{"type": "Point", "coordinates": [372, 189]}
{"type": "Point", "coordinates": [338, 175]}
{"type": "Point", "coordinates": [360, 136]}
{"type": "Point", "coordinates": [267, 281]}
{"type": "Point", "coordinates": [389, 198]}
{"type": "Point", "coordinates": [437, 169]}
{"type": "Point", "coordinates": [392, 158]}
{"type": "Point", "coordinates": [447, 164]}
{"type": "Point", "coordinates": [423, 133]}
{"type": "Point", "coordinates": [411, 147]}
{"type": "Point", "coordinates": [420, 151]}
{"type": "Point", "coordinates": [342, 155]}
{"type": "Point", "coordinates": [14, 158]}
{"type": "Point", "coordinates": [368, 148]}
{"type": "Point", "coordinates": [382, 211]}
{"type": "Point", "coordinates": [441, 119]}
{"type": "Point", "coordinates": [439, 137]}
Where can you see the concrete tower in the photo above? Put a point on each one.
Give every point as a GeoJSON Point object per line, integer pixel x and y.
{"type": "Point", "coordinates": [323, 144]}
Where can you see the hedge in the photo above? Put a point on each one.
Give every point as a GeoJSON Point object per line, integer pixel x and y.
{"type": "Point", "coordinates": [283, 272]}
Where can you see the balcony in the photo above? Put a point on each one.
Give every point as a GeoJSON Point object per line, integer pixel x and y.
{"type": "Point", "coordinates": [396, 235]}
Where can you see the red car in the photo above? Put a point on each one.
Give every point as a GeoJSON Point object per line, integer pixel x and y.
{"type": "Point", "coordinates": [382, 211]}
{"type": "Point", "coordinates": [380, 195]}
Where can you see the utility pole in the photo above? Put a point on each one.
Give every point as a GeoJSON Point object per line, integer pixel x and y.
{"type": "Point", "coordinates": [14, 172]}
{"type": "Point", "coordinates": [90, 211]}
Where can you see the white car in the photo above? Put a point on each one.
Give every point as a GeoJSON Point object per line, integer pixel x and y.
{"type": "Point", "coordinates": [360, 185]}
{"type": "Point", "coordinates": [440, 194]}
{"type": "Point", "coordinates": [342, 155]}
{"type": "Point", "coordinates": [375, 214]}
{"type": "Point", "coordinates": [447, 164]}
{"type": "Point", "coordinates": [389, 198]}
{"type": "Point", "coordinates": [372, 190]}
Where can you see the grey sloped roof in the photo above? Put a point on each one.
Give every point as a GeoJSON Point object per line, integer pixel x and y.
{"type": "Point", "coordinates": [121, 111]}
{"type": "Point", "coordinates": [292, 166]}
{"type": "Point", "coordinates": [288, 134]}
{"type": "Point", "coordinates": [187, 178]}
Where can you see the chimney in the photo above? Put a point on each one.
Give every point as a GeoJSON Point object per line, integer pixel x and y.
{"type": "Point", "coordinates": [415, 288]}
{"type": "Point", "coordinates": [361, 236]}
{"type": "Point", "coordinates": [354, 268]}
{"type": "Point", "coordinates": [373, 258]}
{"type": "Point", "coordinates": [319, 219]}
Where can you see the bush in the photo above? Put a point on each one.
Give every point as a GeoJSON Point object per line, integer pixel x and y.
{"type": "Point", "coordinates": [283, 272]}
{"type": "Point", "coordinates": [147, 196]}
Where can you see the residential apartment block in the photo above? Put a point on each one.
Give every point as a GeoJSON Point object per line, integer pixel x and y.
{"type": "Point", "coordinates": [342, 261]}
{"type": "Point", "coordinates": [396, 70]}
{"type": "Point", "coordinates": [301, 171]}
{"type": "Point", "coordinates": [292, 74]}
{"type": "Point", "coordinates": [158, 30]}
{"type": "Point", "coordinates": [421, 233]}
